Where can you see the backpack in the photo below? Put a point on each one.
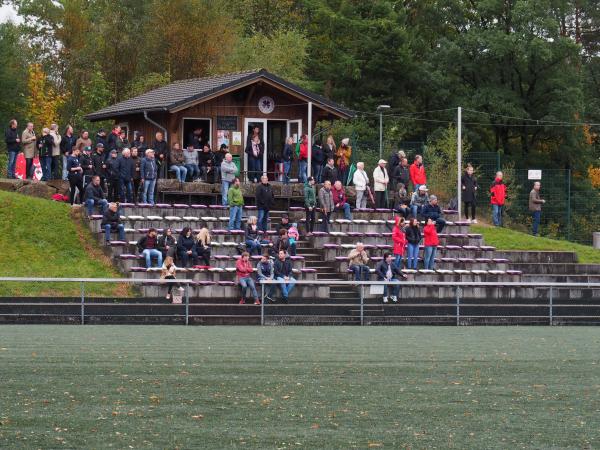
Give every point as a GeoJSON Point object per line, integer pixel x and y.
{"type": "Point", "coordinates": [453, 204]}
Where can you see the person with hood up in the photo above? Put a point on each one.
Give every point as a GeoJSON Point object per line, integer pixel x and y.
{"type": "Point", "coordinates": [498, 198]}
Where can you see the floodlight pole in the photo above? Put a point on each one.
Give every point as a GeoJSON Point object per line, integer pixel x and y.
{"type": "Point", "coordinates": [459, 161]}
{"type": "Point", "coordinates": [380, 109]}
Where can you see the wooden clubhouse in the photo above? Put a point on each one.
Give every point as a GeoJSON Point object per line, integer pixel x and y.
{"type": "Point", "coordinates": [226, 108]}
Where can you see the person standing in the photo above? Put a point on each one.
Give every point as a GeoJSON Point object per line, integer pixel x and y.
{"type": "Point", "coordinates": [417, 173]}
{"type": "Point", "coordinates": [101, 137]}
{"type": "Point", "coordinates": [57, 139]}
{"type": "Point", "coordinates": [303, 159]}
{"type": "Point", "coordinates": [283, 273]}
{"type": "Point", "coordinates": [218, 158]}
{"type": "Point", "coordinates": [344, 153]}
{"type": "Point", "coordinates": [265, 200]}
{"type": "Point", "coordinates": [83, 141]}
{"type": "Point", "coordinates": [75, 172]}
{"type": "Point", "coordinates": [535, 206]}
{"type": "Point", "coordinates": [45, 145]}
{"type": "Point", "coordinates": [433, 211]}
{"type": "Point", "coordinates": [112, 172]}
{"type": "Point", "coordinates": [381, 180]}
{"type": "Point", "coordinates": [326, 204]}
{"type": "Point", "coordinates": [387, 271]}
{"type": "Point", "coordinates": [126, 173]}
{"type": "Point", "coordinates": [235, 199]}
{"type": "Point", "coordinates": [28, 139]}
{"type": "Point", "coordinates": [137, 162]}
{"type": "Point", "coordinates": [361, 185]}
{"type": "Point", "coordinates": [140, 144]}
{"type": "Point", "coordinates": [113, 138]}
{"type": "Point", "coordinates": [287, 155]}
{"type": "Point", "coordinates": [498, 198]}
{"type": "Point", "coordinates": [161, 154]}
{"type": "Point", "coordinates": [148, 174]}
{"type": "Point", "coordinates": [399, 240]}
{"type": "Point", "coordinates": [87, 165]}
{"type": "Point", "coordinates": [255, 150]}
{"type": "Point", "coordinates": [67, 143]}
{"type": "Point", "coordinates": [330, 173]}
{"type": "Point", "coordinates": [228, 172]}
{"type": "Point", "coordinates": [329, 150]}
{"type": "Point", "coordinates": [431, 242]}
{"type": "Point", "coordinates": [317, 160]}
{"type": "Point", "coordinates": [13, 146]}
{"type": "Point", "coordinates": [99, 164]}
{"type": "Point", "coordinates": [310, 203]}
{"type": "Point", "coordinates": [357, 261]}
{"type": "Point", "coordinates": [168, 272]}
{"type": "Point", "coordinates": [413, 237]}
{"type": "Point", "coordinates": [469, 189]}
{"type": "Point", "coordinates": [243, 273]}
{"type": "Point", "coordinates": [401, 174]}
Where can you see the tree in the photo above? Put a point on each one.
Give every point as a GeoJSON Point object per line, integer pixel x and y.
{"type": "Point", "coordinates": [42, 103]}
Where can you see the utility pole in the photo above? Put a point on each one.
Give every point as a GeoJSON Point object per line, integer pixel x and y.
{"type": "Point", "coordinates": [459, 161]}
{"type": "Point", "coordinates": [380, 110]}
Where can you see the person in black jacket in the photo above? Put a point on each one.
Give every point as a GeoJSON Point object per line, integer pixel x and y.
{"type": "Point", "coordinates": [469, 191]}
{"type": "Point", "coordinates": [167, 244]}
{"type": "Point", "coordinates": [148, 247]}
{"type": "Point", "coordinates": [99, 164]}
{"type": "Point", "coordinates": [186, 248]}
{"type": "Point", "coordinates": [386, 270]}
{"type": "Point", "coordinates": [161, 154]}
{"type": "Point", "coordinates": [113, 137]}
{"type": "Point", "coordinates": [330, 172]}
{"type": "Point", "coordinates": [75, 175]}
{"type": "Point", "coordinates": [112, 175]}
{"type": "Point", "coordinates": [252, 236]}
{"type": "Point", "coordinates": [101, 137]}
{"type": "Point", "coordinates": [87, 165]}
{"type": "Point", "coordinates": [283, 274]}
{"type": "Point", "coordinates": [265, 200]}
{"type": "Point", "coordinates": [126, 169]}
{"type": "Point", "coordinates": [206, 161]}
{"type": "Point", "coordinates": [94, 196]}
{"type": "Point", "coordinates": [283, 243]}
{"type": "Point", "coordinates": [45, 144]}
{"type": "Point", "coordinates": [140, 144]}
{"type": "Point", "coordinates": [13, 146]}
{"type": "Point", "coordinates": [413, 236]}
{"type": "Point", "coordinates": [67, 143]}
{"type": "Point", "coordinates": [318, 160]}
{"type": "Point", "coordinates": [287, 155]}
{"type": "Point", "coordinates": [401, 174]}
{"type": "Point", "coordinates": [111, 221]}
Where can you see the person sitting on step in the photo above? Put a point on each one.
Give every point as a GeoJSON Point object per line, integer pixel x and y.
{"type": "Point", "coordinates": [386, 270]}
{"type": "Point", "coordinates": [358, 260]}
{"type": "Point", "coordinates": [243, 271]}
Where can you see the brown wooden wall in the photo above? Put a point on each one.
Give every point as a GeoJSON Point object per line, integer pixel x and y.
{"type": "Point", "coordinates": [242, 103]}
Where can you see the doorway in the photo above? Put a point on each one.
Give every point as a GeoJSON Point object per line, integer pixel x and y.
{"type": "Point", "coordinates": [276, 135]}
{"type": "Point", "coordinates": [197, 132]}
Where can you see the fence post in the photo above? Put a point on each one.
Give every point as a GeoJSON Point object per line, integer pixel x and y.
{"type": "Point", "coordinates": [551, 298]}
{"type": "Point", "coordinates": [457, 292]}
{"type": "Point", "coordinates": [82, 303]}
{"type": "Point", "coordinates": [362, 304]}
{"type": "Point", "coordinates": [187, 303]}
{"type": "Point", "coordinates": [262, 303]}
{"type": "Point", "coordinates": [568, 204]}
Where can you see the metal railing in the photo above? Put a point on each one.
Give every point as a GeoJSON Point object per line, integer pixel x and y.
{"type": "Point", "coordinates": [456, 304]}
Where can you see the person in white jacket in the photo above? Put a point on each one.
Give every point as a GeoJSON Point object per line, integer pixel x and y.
{"type": "Point", "coordinates": [361, 181]}
{"type": "Point", "coordinates": [56, 155]}
{"type": "Point", "coordinates": [381, 180]}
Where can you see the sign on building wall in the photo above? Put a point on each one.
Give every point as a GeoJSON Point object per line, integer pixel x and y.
{"type": "Point", "coordinates": [227, 123]}
{"type": "Point", "coordinates": [534, 174]}
{"type": "Point", "coordinates": [236, 138]}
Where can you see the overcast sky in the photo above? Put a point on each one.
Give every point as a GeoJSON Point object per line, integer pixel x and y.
{"type": "Point", "coordinates": [8, 13]}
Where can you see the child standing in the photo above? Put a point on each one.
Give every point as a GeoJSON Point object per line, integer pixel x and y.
{"type": "Point", "coordinates": [293, 233]}
{"type": "Point", "coordinates": [431, 243]}
{"type": "Point", "coordinates": [168, 273]}
{"type": "Point", "coordinates": [399, 240]}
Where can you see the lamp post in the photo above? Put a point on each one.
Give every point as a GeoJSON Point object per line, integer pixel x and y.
{"type": "Point", "coordinates": [380, 110]}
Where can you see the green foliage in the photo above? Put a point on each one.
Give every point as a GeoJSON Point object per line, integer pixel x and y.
{"type": "Point", "coordinates": [441, 163]}
{"type": "Point", "coordinates": [147, 82]}
{"type": "Point", "coordinates": [13, 75]}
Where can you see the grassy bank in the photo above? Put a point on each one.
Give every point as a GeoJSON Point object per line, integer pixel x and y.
{"type": "Point", "coordinates": [42, 238]}
{"type": "Point", "coordinates": [506, 239]}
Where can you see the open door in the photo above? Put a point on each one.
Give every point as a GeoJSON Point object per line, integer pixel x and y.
{"type": "Point", "coordinates": [294, 130]}
{"type": "Point", "coordinates": [249, 125]}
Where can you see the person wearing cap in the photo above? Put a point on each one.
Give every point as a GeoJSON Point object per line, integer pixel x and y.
{"type": "Point", "coordinates": [148, 174]}
{"type": "Point", "coordinates": [87, 165]}
{"type": "Point", "coordinates": [57, 138]}
{"type": "Point", "coordinates": [433, 211]}
{"type": "Point", "coordinates": [419, 199]}
{"type": "Point", "coordinates": [417, 173]}
{"type": "Point", "coordinates": [381, 180]}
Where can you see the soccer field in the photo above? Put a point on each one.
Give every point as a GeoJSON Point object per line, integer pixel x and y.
{"type": "Point", "coordinates": [299, 387]}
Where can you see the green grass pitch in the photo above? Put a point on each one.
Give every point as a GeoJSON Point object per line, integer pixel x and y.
{"type": "Point", "coordinates": [299, 387]}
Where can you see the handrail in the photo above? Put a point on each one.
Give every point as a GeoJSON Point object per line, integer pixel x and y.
{"type": "Point", "coordinates": [321, 282]}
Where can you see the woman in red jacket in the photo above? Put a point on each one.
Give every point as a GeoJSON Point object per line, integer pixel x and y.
{"type": "Point", "coordinates": [243, 272]}
{"type": "Point", "coordinates": [417, 173]}
{"type": "Point", "coordinates": [498, 197]}
{"type": "Point", "coordinates": [431, 242]}
{"type": "Point", "coordinates": [399, 240]}
{"type": "Point", "coordinates": [303, 159]}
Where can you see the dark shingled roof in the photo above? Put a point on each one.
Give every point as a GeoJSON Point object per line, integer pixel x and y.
{"type": "Point", "coordinates": [167, 98]}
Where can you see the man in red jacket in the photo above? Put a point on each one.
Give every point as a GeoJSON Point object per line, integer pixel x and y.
{"type": "Point", "coordinates": [417, 173]}
{"type": "Point", "coordinates": [339, 200]}
{"type": "Point", "coordinates": [498, 197]}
